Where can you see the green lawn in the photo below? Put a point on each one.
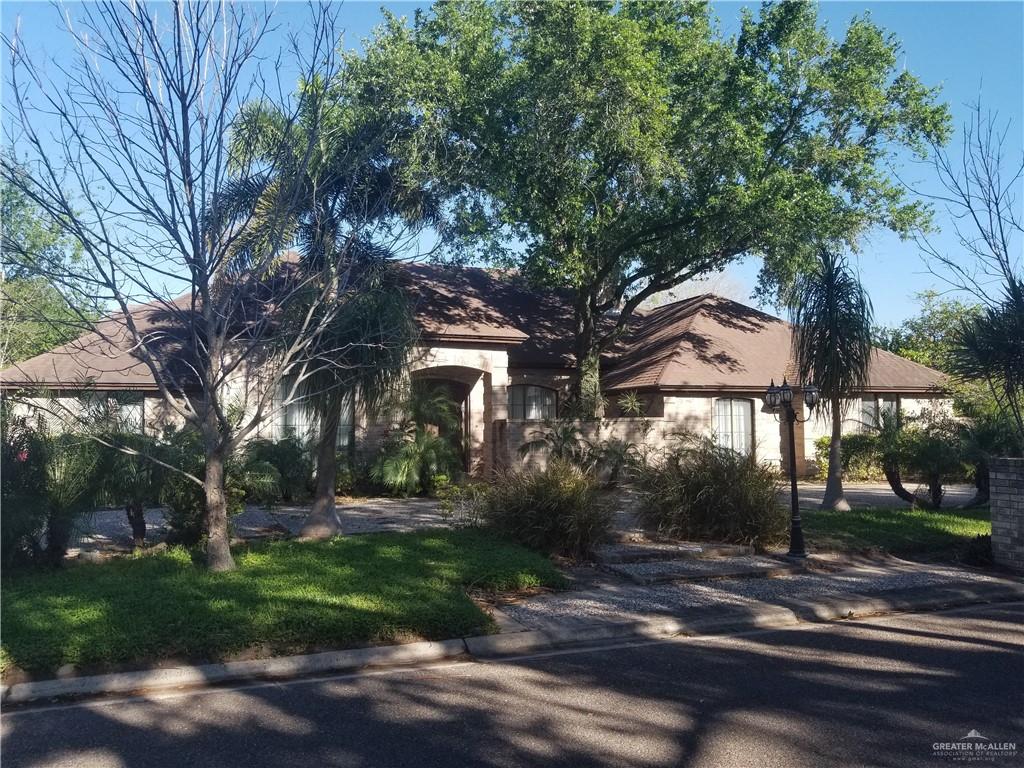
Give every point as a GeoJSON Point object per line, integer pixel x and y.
{"type": "Point", "coordinates": [897, 530]}
{"type": "Point", "coordinates": [285, 597]}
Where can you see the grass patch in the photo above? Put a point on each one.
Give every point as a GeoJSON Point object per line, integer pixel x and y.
{"type": "Point", "coordinates": [285, 597]}
{"type": "Point", "coordinates": [897, 530]}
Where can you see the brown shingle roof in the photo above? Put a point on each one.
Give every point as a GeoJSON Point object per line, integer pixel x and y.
{"type": "Point", "coordinates": [706, 342]}
{"type": "Point", "coordinates": [710, 342]}
{"type": "Point", "coordinates": [104, 358]}
{"type": "Point", "coordinates": [470, 304]}
{"type": "Point", "coordinates": [463, 304]}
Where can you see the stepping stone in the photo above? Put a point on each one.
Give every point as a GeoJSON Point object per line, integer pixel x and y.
{"type": "Point", "coordinates": [647, 551]}
{"type": "Point", "coordinates": [700, 569]}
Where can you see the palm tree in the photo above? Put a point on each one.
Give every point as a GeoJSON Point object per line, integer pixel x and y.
{"type": "Point", "coordinates": [348, 181]}
{"type": "Point", "coordinates": [989, 347]}
{"type": "Point", "coordinates": [363, 354]}
{"type": "Point", "coordinates": [832, 316]}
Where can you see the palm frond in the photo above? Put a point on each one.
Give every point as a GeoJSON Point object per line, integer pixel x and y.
{"type": "Point", "coordinates": [989, 347]}
{"type": "Point", "coordinates": [832, 315]}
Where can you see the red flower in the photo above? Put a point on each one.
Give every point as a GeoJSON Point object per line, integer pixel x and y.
{"type": "Point", "coordinates": [22, 455]}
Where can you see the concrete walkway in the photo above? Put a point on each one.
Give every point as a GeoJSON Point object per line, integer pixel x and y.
{"type": "Point", "coordinates": [108, 529]}
{"type": "Point", "coordinates": [599, 597]}
{"type": "Point", "coordinates": [862, 495]}
{"type": "Point", "coordinates": [640, 581]}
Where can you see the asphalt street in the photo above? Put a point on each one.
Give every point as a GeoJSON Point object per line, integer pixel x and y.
{"type": "Point", "coordinates": [877, 692]}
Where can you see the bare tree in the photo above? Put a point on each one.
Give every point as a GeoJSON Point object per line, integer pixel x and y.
{"type": "Point", "coordinates": [983, 198]}
{"type": "Point", "coordinates": [128, 150]}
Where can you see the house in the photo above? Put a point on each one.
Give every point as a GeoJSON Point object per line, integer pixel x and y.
{"type": "Point", "coordinates": [504, 352]}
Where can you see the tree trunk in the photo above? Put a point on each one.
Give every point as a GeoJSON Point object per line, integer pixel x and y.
{"type": "Point", "coordinates": [834, 497]}
{"type": "Point", "coordinates": [137, 520]}
{"type": "Point", "coordinates": [981, 483]}
{"type": "Point", "coordinates": [895, 480]}
{"type": "Point", "coordinates": [935, 491]}
{"type": "Point", "coordinates": [323, 521]}
{"type": "Point", "coordinates": [586, 383]}
{"type": "Point", "coordinates": [58, 536]}
{"type": "Point", "coordinates": [218, 544]}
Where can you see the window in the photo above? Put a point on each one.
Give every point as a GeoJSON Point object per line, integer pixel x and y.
{"type": "Point", "coordinates": [889, 405]}
{"type": "Point", "coordinates": [298, 420]}
{"type": "Point", "coordinates": [526, 401]}
{"type": "Point", "coordinates": [733, 424]}
{"type": "Point", "coordinates": [868, 413]}
{"type": "Point", "coordinates": [123, 409]}
{"type": "Point", "coordinates": [130, 411]}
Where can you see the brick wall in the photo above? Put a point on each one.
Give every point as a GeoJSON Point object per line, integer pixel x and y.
{"type": "Point", "coordinates": [1007, 497]}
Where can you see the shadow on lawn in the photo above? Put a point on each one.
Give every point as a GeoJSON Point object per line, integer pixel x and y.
{"type": "Point", "coordinates": [849, 695]}
{"type": "Point", "coordinates": [899, 531]}
{"type": "Point", "coordinates": [286, 597]}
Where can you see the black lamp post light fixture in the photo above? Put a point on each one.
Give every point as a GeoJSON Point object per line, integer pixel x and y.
{"type": "Point", "coordinates": [781, 399]}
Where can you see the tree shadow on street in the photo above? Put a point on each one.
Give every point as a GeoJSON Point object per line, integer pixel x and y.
{"type": "Point", "coordinates": [843, 694]}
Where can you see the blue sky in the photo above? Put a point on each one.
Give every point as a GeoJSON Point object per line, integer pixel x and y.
{"type": "Point", "coordinates": [971, 49]}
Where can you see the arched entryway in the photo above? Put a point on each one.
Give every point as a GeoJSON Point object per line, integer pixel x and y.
{"type": "Point", "coordinates": [469, 389]}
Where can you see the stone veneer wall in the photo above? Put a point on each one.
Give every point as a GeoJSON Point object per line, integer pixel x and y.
{"type": "Point", "coordinates": [1007, 499]}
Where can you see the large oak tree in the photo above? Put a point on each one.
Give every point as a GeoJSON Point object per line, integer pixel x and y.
{"type": "Point", "coordinates": [620, 149]}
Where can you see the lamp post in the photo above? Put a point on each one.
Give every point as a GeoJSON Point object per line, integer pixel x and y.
{"type": "Point", "coordinates": [777, 398]}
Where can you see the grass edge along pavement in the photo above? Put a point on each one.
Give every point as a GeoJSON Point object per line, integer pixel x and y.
{"type": "Point", "coordinates": [286, 597]}
{"type": "Point", "coordinates": [897, 530]}
{"type": "Point", "coordinates": [503, 645]}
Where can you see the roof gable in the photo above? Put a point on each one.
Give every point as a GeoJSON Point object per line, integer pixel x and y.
{"type": "Point", "coordinates": [706, 342]}
{"type": "Point", "coordinates": [710, 342]}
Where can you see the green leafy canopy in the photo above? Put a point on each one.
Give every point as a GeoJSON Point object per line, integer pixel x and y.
{"type": "Point", "coordinates": [618, 149]}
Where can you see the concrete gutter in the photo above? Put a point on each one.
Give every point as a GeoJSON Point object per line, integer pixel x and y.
{"type": "Point", "coordinates": [508, 644]}
{"type": "Point", "coordinates": [282, 667]}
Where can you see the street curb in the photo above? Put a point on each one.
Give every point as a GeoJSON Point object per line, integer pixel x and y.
{"type": "Point", "coordinates": [694, 578]}
{"type": "Point", "coordinates": [207, 674]}
{"type": "Point", "coordinates": [516, 643]}
{"type": "Point", "coordinates": [508, 644]}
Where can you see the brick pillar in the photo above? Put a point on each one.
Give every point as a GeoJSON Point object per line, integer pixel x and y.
{"type": "Point", "coordinates": [499, 418]}
{"type": "Point", "coordinates": [477, 432]}
{"type": "Point", "coordinates": [1007, 498]}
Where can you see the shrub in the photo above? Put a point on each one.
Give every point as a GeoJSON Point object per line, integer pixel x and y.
{"type": "Point", "coordinates": [260, 481]}
{"type": "Point", "coordinates": [861, 458]}
{"type": "Point", "coordinates": [74, 470]}
{"type": "Point", "coordinates": [23, 490]}
{"type": "Point", "coordinates": [563, 441]}
{"type": "Point", "coordinates": [931, 446]}
{"type": "Point", "coordinates": [411, 458]}
{"type": "Point", "coordinates": [934, 452]}
{"type": "Point", "coordinates": [463, 506]}
{"type": "Point", "coordinates": [186, 499]}
{"type": "Point", "coordinates": [426, 446]}
{"type": "Point", "coordinates": [554, 511]}
{"type": "Point", "coordinates": [290, 458]}
{"type": "Point", "coordinates": [613, 459]}
{"type": "Point", "coordinates": [440, 484]}
{"type": "Point", "coordinates": [700, 490]}
{"type": "Point", "coordinates": [133, 480]}
{"type": "Point", "coordinates": [344, 476]}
